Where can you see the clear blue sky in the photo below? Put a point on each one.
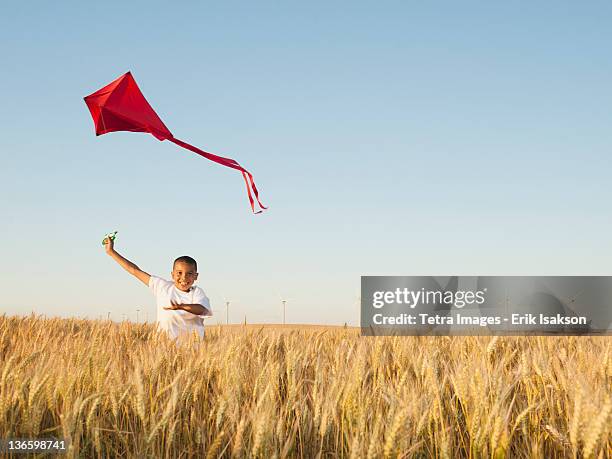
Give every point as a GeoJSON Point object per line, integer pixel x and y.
{"type": "Point", "coordinates": [390, 138]}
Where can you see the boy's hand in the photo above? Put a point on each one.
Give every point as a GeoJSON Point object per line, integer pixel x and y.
{"type": "Point", "coordinates": [109, 245]}
{"type": "Point", "coordinates": [173, 306]}
{"type": "Point", "coordinates": [195, 309]}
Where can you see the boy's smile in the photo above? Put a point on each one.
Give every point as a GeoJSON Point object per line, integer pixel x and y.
{"type": "Point", "coordinates": [184, 275]}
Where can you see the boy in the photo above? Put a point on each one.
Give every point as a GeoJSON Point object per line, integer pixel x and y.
{"type": "Point", "coordinates": [180, 305]}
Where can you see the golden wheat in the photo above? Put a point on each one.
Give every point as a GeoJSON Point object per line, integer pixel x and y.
{"type": "Point", "coordinates": [126, 390]}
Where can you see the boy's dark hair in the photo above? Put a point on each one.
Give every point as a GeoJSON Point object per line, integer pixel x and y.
{"type": "Point", "coordinates": [186, 259]}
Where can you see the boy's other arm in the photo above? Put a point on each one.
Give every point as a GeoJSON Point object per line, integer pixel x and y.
{"type": "Point", "coordinates": [125, 263]}
{"type": "Point", "coordinates": [197, 309]}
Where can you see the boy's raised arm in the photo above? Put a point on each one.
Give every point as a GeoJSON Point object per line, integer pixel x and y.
{"type": "Point", "coordinates": [109, 246]}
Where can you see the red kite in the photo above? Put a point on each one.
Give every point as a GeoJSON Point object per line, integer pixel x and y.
{"type": "Point", "coordinates": [120, 106]}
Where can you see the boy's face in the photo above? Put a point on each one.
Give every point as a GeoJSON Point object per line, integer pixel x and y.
{"type": "Point", "coordinates": [184, 275]}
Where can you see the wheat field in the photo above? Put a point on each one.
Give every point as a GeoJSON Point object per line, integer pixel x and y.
{"type": "Point", "coordinates": [123, 390]}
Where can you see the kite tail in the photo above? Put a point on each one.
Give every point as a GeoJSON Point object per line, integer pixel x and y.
{"type": "Point", "coordinates": [228, 162]}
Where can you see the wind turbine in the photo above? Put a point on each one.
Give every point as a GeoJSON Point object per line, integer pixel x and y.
{"type": "Point", "coordinates": [284, 302]}
{"type": "Point", "coordinates": [227, 305]}
{"type": "Point", "coordinates": [357, 301]}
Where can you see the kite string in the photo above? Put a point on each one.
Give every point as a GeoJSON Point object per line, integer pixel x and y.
{"type": "Point", "coordinates": [228, 162]}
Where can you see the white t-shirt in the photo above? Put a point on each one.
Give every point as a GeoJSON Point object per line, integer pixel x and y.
{"type": "Point", "coordinates": [178, 322]}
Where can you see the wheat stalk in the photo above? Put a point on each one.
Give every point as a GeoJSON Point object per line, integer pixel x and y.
{"type": "Point", "coordinates": [391, 436]}
{"type": "Point", "coordinates": [237, 447]}
{"type": "Point", "coordinates": [576, 421]}
{"type": "Point", "coordinates": [597, 425]}
{"type": "Point", "coordinates": [214, 447]}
